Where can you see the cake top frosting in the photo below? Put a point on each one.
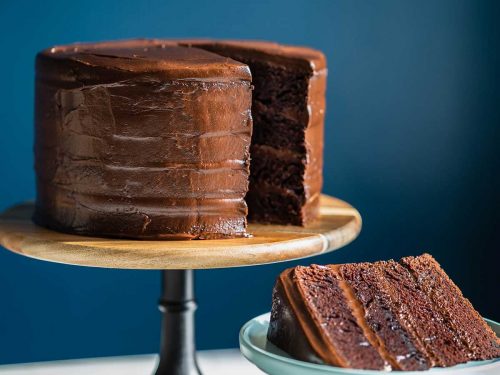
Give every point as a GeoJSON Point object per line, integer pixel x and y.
{"type": "Point", "coordinates": [303, 56]}
{"type": "Point", "coordinates": [162, 59]}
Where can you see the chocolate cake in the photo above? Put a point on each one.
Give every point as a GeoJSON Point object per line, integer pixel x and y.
{"type": "Point", "coordinates": [405, 315]}
{"type": "Point", "coordinates": [152, 138]}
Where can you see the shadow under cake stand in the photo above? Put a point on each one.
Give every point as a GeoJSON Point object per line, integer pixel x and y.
{"type": "Point", "coordinates": [339, 224]}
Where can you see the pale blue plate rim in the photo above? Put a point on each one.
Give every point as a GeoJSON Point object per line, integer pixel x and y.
{"type": "Point", "coordinates": [255, 353]}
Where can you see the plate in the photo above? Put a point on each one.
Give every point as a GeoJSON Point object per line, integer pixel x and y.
{"type": "Point", "coordinates": [273, 361]}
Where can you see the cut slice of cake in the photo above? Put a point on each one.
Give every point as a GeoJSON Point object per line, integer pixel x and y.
{"type": "Point", "coordinates": [405, 315]}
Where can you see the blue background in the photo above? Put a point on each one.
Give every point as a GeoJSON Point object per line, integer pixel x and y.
{"type": "Point", "coordinates": [412, 136]}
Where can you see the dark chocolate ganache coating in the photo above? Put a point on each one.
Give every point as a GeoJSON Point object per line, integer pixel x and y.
{"type": "Point", "coordinates": [142, 139]}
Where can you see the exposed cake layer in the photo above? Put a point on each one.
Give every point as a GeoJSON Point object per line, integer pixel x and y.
{"type": "Point", "coordinates": [420, 317]}
{"type": "Point", "coordinates": [404, 316]}
{"type": "Point", "coordinates": [278, 187]}
{"type": "Point", "coordinates": [328, 305]}
{"type": "Point", "coordinates": [288, 110]}
{"type": "Point", "coordinates": [383, 318]}
{"type": "Point", "coordinates": [459, 314]}
{"type": "Point", "coordinates": [142, 139]}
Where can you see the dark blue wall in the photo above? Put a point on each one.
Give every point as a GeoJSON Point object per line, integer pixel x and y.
{"type": "Point", "coordinates": [412, 135]}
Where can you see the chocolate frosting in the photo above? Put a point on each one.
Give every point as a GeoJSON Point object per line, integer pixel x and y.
{"type": "Point", "coordinates": [297, 56]}
{"type": "Point", "coordinates": [142, 139]}
{"type": "Point", "coordinates": [287, 321]}
{"type": "Point", "coordinates": [157, 59]}
{"type": "Point", "coordinates": [291, 327]}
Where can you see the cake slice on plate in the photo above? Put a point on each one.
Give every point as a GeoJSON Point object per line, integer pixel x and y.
{"type": "Point", "coordinates": [405, 315]}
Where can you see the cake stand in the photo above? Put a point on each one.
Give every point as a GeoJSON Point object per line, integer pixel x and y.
{"type": "Point", "coordinates": [339, 224]}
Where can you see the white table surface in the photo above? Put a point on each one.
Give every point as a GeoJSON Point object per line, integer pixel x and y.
{"type": "Point", "coordinates": [212, 362]}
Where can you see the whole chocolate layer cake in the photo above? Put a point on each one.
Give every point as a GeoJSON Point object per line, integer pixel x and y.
{"type": "Point", "coordinates": [405, 315]}
{"type": "Point", "coordinates": [152, 138]}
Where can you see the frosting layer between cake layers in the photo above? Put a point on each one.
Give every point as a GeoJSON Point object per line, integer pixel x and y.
{"type": "Point", "coordinates": [142, 139]}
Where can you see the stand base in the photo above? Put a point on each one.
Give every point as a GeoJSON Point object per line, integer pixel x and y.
{"type": "Point", "coordinates": [178, 305]}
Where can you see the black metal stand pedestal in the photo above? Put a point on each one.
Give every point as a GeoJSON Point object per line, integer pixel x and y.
{"type": "Point", "coordinates": [177, 303]}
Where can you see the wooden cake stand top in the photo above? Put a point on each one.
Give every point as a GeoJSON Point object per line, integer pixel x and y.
{"type": "Point", "coordinates": [339, 224]}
